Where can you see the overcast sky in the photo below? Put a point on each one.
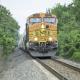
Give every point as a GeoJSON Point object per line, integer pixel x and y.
{"type": "Point", "coordinates": [20, 9]}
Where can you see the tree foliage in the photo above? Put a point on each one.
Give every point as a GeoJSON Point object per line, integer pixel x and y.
{"type": "Point", "coordinates": [8, 31]}
{"type": "Point", "coordinates": [68, 28]}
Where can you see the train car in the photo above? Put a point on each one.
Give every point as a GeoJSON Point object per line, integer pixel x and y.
{"type": "Point", "coordinates": [41, 34]}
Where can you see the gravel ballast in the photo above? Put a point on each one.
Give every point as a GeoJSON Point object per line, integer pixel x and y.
{"type": "Point", "coordinates": [67, 72]}
{"type": "Point", "coordinates": [21, 67]}
{"type": "Point", "coordinates": [70, 62]}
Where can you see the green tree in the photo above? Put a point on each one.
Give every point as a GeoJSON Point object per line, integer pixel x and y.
{"type": "Point", "coordinates": [68, 28]}
{"type": "Point", "coordinates": [8, 31]}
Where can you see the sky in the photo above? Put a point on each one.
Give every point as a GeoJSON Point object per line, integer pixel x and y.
{"type": "Point", "coordinates": [21, 9]}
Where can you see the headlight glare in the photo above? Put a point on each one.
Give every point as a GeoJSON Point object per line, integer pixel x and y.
{"type": "Point", "coordinates": [36, 39]}
{"type": "Point", "coordinates": [50, 39]}
{"type": "Point", "coordinates": [42, 26]}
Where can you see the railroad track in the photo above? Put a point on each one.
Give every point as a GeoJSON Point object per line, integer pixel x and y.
{"type": "Point", "coordinates": [66, 64]}
{"type": "Point", "coordinates": [60, 69]}
{"type": "Point", "coordinates": [47, 67]}
{"type": "Point", "coordinates": [50, 69]}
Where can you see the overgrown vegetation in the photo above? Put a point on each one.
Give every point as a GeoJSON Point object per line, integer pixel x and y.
{"type": "Point", "coordinates": [8, 31]}
{"type": "Point", "coordinates": [68, 29]}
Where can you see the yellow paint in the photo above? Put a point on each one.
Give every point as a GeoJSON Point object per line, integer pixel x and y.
{"type": "Point", "coordinates": [40, 33]}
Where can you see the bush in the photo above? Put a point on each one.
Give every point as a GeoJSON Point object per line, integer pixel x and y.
{"type": "Point", "coordinates": [76, 56]}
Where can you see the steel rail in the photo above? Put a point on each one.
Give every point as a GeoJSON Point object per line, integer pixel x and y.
{"type": "Point", "coordinates": [54, 72]}
{"type": "Point", "coordinates": [66, 64]}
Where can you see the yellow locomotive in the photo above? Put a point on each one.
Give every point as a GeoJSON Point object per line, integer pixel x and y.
{"type": "Point", "coordinates": [41, 34]}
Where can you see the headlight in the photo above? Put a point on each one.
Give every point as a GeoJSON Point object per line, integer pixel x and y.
{"type": "Point", "coordinates": [42, 26]}
{"type": "Point", "coordinates": [50, 39]}
{"type": "Point", "coordinates": [35, 39]}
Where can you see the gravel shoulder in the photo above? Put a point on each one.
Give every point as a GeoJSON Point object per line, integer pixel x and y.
{"type": "Point", "coordinates": [20, 66]}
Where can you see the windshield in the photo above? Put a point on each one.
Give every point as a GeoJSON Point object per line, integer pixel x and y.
{"type": "Point", "coordinates": [50, 20]}
{"type": "Point", "coordinates": [35, 20]}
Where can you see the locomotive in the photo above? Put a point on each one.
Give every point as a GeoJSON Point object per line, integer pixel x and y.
{"type": "Point", "coordinates": [40, 35]}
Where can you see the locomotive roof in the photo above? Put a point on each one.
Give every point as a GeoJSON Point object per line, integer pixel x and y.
{"type": "Point", "coordinates": [42, 15]}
